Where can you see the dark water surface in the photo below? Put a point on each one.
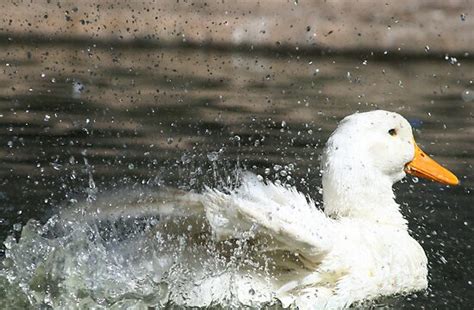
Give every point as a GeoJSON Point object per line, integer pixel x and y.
{"type": "Point", "coordinates": [77, 120]}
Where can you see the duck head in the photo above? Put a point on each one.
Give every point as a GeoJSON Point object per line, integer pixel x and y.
{"type": "Point", "coordinates": [364, 157]}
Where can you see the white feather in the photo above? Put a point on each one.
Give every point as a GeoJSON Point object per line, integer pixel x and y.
{"type": "Point", "coordinates": [279, 212]}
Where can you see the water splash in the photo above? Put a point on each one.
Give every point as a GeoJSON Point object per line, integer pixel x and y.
{"type": "Point", "coordinates": [124, 250]}
{"type": "Point", "coordinates": [71, 264]}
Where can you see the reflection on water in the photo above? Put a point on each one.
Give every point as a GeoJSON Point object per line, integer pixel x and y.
{"type": "Point", "coordinates": [78, 120]}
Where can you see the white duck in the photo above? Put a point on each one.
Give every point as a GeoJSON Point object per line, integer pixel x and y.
{"type": "Point", "coordinates": [290, 251]}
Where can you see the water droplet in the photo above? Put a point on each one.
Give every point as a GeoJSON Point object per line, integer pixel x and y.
{"type": "Point", "coordinates": [77, 89]}
{"type": "Point", "coordinates": [213, 156]}
{"type": "Point", "coordinates": [56, 166]}
{"type": "Point", "coordinates": [443, 260]}
{"type": "Point", "coordinates": [467, 95]}
{"type": "Point", "coordinates": [72, 160]}
{"type": "Point", "coordinates": [451, 60]}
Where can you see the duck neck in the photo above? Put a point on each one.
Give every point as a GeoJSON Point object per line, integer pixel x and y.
{"type": "Point", "coordinates": [358, 193]}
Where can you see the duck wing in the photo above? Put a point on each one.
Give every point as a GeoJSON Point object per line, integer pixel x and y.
{"type": "Point", "coordinates": [286, 216]}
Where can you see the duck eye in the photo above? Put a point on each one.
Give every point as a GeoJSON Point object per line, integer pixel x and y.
{"type": "Point", "coordinates": [392, 132]}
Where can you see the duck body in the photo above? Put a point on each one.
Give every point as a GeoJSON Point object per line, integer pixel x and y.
{"type": "Point", "coordinates": [333, 262]}
{"type": "Point", "coordinates": [371, 261]}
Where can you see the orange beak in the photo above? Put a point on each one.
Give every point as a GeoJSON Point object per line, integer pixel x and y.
{"type": "Point", "coordinates": [424, 167]}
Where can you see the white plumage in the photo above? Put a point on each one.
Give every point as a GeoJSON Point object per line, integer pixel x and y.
{"type": "Point", "coordinates": [339, 261]}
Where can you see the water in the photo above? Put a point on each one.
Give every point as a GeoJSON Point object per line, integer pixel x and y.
{"type": "Point", "coordinates": [83, 121]}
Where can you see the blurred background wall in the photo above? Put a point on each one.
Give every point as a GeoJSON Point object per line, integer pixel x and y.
{"type": "Point", "coordinates": [406, 26]}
